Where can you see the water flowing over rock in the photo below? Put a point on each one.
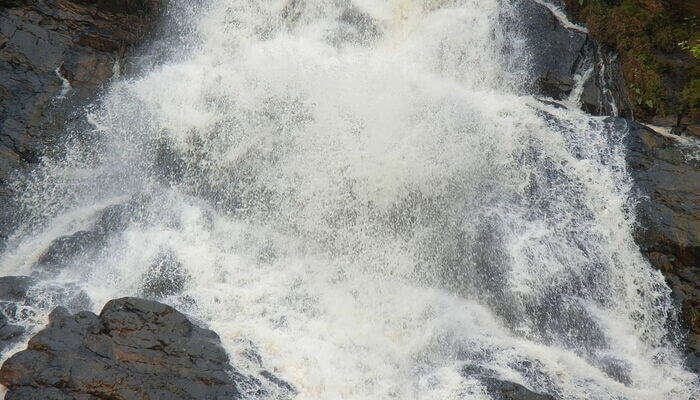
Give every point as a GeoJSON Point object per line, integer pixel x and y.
{"type": "Point", "coordinates": [382, 200]}
{"type": "Point", "coordinates": [567, 64]}
{"type": "Point", "coordinates": [135, 349]}
{"type": "Point", "coordinates": [13, 290]}
{"type": "Point", "coordinates": [54, 57]}
{"type": "Point", "coordinates": [666, 172]}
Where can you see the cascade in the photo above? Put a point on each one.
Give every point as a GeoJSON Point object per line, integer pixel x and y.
{"type": "Point", "coordinates": [366, 192]}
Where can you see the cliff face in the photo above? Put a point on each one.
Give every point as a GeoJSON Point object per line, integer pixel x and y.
{"type": "Point", "coordinates": [54, 57]}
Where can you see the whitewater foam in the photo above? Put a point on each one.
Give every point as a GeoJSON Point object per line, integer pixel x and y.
{"type": "Point", "coordinates": [369, 198]}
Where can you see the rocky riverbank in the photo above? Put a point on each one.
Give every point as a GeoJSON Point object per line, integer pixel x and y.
{"type": "Point", "coordinates": [666, 173]}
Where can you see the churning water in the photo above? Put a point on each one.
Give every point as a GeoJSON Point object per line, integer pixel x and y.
{"type": "Point", "coordinates": [364, 192]}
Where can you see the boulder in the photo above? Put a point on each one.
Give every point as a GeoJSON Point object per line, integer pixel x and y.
{"type": "Point", "coordinates": [15, 288]}
{"type": "Point", "coordinates": [135, 349]}
{"type": "Point", "coordinates": [9, 333]}
{"type": "Point", "coordinates": [110, 221]}
{"type": "Point", "coordinates": [166, 276]}
{"type": "Point", "coordinates": [555, 51]}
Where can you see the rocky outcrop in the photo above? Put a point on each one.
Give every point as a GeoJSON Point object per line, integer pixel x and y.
{"type": "Point", "coordinates": [54, 56]}
{"type": "Point", "coordinates": [563, 55]}
{"type": "Point", "coordinates": [111, 220]}
{"type": "Point", "coordinates": [135, 349]}
{"type": "Point", "coordinates": [657, 44]}
{"type": "Point", "coordinates": [666, 174]}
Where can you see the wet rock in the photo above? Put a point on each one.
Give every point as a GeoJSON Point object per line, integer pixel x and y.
{"type": "Point", "coordinates": [556, 51]}
{"type": "Point", "coordinates": [9, 333]}
{"type": "Point", "coordinates": [615, 368]}
{"type": "Point", "coordinates": [504, 390]}
{"type": "Point", "coordinates": [135, 349]}
{"type": "Point", "coordinates": [666, 174]}
{"type": "Point", "coordinates": [561, 56]}
{"type": "Point", "coordinates": [166, 276]}
{"type": "Point", "coordinates": [500, 389]}
{"type": "Point", "coordinates": [109, 222]}
{"type": "Point", "coordinates": [279, 382]}
{"type": "Point", "coordinates": [15, 288]}
{"type": "Point", "coordinates": [54, 56]}
{"type": "Point", "coordinates": [21, 297]}
{"type": "Point", "coordinates": [357, 27]}
{"type": "Point", "coordinates": [65, 248]}
{"type": "Point", "coordinates": [605, 92]}
{"type": "Point", "coordinates": [46, 295]}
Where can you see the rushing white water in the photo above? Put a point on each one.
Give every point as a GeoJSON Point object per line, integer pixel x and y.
{"type": "Point", "coordinates": [364, 192]}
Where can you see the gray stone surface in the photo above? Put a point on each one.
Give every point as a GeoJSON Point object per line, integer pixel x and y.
{"type": "Point", "coordinates": [557, 54]}
{"type": "Point", "coordinates": [13, 290]}
{"type": "Point", "coordinates": [666, 178]}
{"type": "Point", "coordinates": [54, 56]}
{"type": "Point", "coordinates": [135, 349]}
{"type": "Point", "coordinates": [500, 389]}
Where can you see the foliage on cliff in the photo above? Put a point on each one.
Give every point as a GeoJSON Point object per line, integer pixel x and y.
{"type": "Point", "coordinates": [659, 46]}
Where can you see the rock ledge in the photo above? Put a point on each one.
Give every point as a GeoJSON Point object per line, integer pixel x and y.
{"type": "Point", "coordinates": [135, 349]}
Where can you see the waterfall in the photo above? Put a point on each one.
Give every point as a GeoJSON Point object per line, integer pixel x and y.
{"type": "Point", "coordinates": [365, 192]}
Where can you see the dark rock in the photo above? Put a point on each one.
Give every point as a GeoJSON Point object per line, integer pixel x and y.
{"type": "Point", "coordinates": [616, 369]}
{"type": "Point", "coordinates": [504, 390]}
{"type": "Point", "coordinates": [500, 389]}
{"type": "Point", "coordinates": [9, 333]}
{"type": "Point", "coordinates": [357, 27]}
{"type": "Point", "coordinates": [54, 56]}
{"type": "Point", "coordinates": [66, 247]}
{"type": "Point", "coordinates": [166, 276]}
{"type": "Point", "coordinates": [555, 51]}
{"type": "Point", "coordinates": [22, 296]}
{"type": "Point", "coordinates": [110, 221]}
{"type": "Point", "coordinates": [279, 382]}
{"type": "Point", "coordinates": [605, 92]}
{"type": "Point", "coordinates": [135, 349]}
{"type": "Point", "coordinates": [560, 55]}
{"type": "Point", "coordinates": [666, 178]}
{"type": "Point", "coordinates": [15, 288]}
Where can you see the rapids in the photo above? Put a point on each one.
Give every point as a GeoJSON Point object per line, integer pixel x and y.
{"type": "Point", "coordinates": [366, 194]}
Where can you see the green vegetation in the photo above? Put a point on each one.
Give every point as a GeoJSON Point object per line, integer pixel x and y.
{"type": "Point", "coordinates": [659, 46]}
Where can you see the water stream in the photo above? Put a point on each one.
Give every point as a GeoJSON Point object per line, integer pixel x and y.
{"type": "Point", "coordinates": [365, 193]}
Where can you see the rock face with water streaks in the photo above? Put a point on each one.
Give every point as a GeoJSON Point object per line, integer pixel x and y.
{"type": "Point", "coordinates": [666, 177]}
{"type": "Point", "coordinates": [562, 54]}
{"type": "Point", "coordinates": [135, 349]}
{"type": "Point", "coordinates": [666, 174]}
{"type": "Point", "coordinates": [54, 56]}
